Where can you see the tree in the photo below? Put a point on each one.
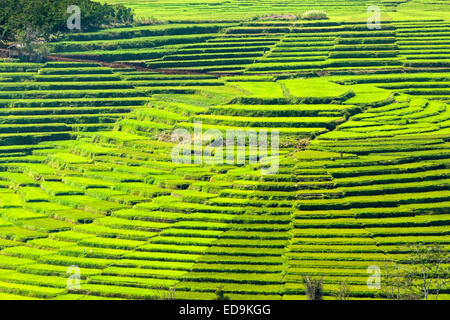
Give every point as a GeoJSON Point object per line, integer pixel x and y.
{"type": "Point", "coordinates": [50, 16]}
{"type": "Point", "coordinates": [220, 294]}
{"type": "Point", "coordinates": [424, 273]}
{"type": "Point", "coordinates": [42, 51]}
{"type": "Point", "coordinates": [302, 144]}
{"type": "Point", "coordinates": [343, 292]}
{"type": "Point", "coordinates": [6, 12]}
{"type": "Point", "coordinates": [164, 293]}
{"type": "Point", "coordinates": [314, 288]}
{"type": "Point", "coordinates": [398, 284]}
{"type": "Point", "coordinates": [429, 263]}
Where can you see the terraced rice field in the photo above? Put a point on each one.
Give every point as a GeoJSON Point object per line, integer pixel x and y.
{"type": "Point", "coordinates": [87, 178]}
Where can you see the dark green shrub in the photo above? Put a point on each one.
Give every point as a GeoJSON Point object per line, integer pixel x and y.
{"type": "Point", "coordinates": [315, 15]}
{"type": "Point", "coordinates": [314, 289]}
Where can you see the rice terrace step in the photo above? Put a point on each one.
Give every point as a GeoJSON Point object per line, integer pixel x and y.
{"type": "Point", "coordinates": [210, 150]}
